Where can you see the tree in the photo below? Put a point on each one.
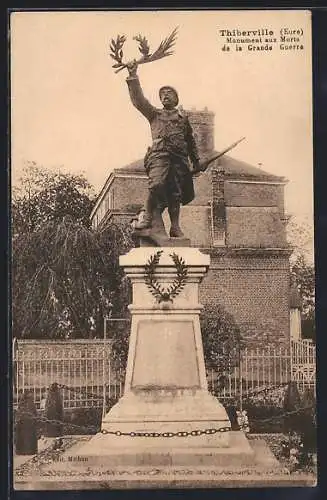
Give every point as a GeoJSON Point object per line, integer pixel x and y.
{"type": "Point", "coordinates": [300, 235]}
{"type": "Point", "coordinates": [304, 276]}
{"type": "Point", "coordinates": [42, 196]}
{"type": "Point", "coordinates": [64, 276]}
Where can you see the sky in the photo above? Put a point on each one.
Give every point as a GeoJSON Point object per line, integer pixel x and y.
{"type": "Point", "coordinates": [71, 112]}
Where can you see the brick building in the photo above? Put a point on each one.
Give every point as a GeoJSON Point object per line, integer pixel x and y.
{"type": "Point", "coordinates": [238, 217]}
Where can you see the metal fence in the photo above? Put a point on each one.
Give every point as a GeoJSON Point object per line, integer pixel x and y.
{"type": "Point", "coordinates": [83, 368]}
{"type": "Point", "coordinates": [303, 363]}
{"type": "Point", "coordinates": [86, 373]}
{"type": "Point", "coordinates": [267, 368]}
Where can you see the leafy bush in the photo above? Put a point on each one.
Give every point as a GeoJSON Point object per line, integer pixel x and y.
{"type": "Point", "coordinates": [83, 421]}
{"type": "Point", "coordinates": [300, 425]}
{"type": "Point", "coordinates": [307, 422]}
{"type": "Point", "coordinates": [265, 410]}
{"type": "Point", "coordinates": [264, 418]}
{"type": "Point", "coordinates": [273, 396]}
{"type": "Point", "coordinates": [292, 405]}
{"type": "Point", "coordinates": [119, 343]}
{"type": "Point", "coordinates": [221, 339]}
{"type": "Point", "coordinates": [309, 428]}
{"type": "Point", "coordinates": [25, 435]}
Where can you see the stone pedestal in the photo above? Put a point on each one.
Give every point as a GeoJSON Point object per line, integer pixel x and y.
{"type": "Point", "coordinates": [166, 390]}
{"type": "Point", "coordinates": [166, 384]}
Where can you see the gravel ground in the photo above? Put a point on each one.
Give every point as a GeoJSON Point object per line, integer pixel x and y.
{"type": "Point", "coordinates": [47, 456]}
{"type": "Point", "coordinates": [274, 443]}
{"type": "Point", "coordinates": [40, 465]}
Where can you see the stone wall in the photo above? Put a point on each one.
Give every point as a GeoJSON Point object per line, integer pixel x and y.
{"type": "Point", "coordinates": [128, 191]}
{"type": "Point", "coordinates": [255, 290]}
{"type": "Point", "coordinates": [252, 194]}
{"type": "Point", "coordinates": [254, 227]}
{"type": "Point", "coordinates": [249, 220]}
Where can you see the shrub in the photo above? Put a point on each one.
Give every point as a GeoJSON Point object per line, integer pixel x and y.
{"type": "Point", "coordinates": [264, 418]}
{"type": "Point", "coordinates": [264, 410]}
{"type": "Point", "coordinates": [300, 425]}
{"type": "Point", "coordinates": [54, 412]}
{"type": "Point", "coordinates": [84, 421]}
{"type": "Point", "coordinates": [119, 343]}
{"type": "Point", "coordinates": [292, 405]}
{"type": "Point", "coordinates": [26, 426]}
{"type": "Point", "coordinates": [221, 339]}
{"type": "Point", "coordinates": [307, 429]}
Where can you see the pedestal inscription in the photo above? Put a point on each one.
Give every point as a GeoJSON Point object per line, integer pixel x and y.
{"type": "Point", "coordinates": [165, 355]}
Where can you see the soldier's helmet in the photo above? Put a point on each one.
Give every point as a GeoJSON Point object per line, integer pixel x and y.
{"type": "Point", "coordinates": [168, 87]}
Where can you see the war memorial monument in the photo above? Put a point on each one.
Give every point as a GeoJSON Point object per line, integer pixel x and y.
{"type": "Point", "coordinates": [167, 430]}
{"type": "Point", "coordinates": [166, 418]}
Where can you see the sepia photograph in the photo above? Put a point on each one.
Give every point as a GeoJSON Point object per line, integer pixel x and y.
{"type": "Point", "coordinates": [162, 231]}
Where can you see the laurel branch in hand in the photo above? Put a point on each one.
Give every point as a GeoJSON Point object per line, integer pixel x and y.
{"type": "Point", "coordinates": [144, 47]}
{"type": "Point", "coordinates": [163, 50]}
{"type": "Point", "coordinates": [116, 47]}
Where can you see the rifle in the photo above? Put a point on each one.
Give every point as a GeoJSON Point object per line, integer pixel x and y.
{"type": "Point", "coordinates": [204, 164]}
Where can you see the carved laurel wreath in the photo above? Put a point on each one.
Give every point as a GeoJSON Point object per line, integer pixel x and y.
{"type": "Point", "coordinates": [160, 293]}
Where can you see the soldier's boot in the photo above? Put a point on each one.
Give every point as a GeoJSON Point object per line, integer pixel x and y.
{"type": "Point", "coordinates": [145, 221]}
{"type": "Point", "coordinates": [173, 210]}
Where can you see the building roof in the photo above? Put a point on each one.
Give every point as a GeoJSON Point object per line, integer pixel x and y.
{"type": "Point", "coordinates": [231, 166]}
{"type": "Point", "coordinates": [236, 169]}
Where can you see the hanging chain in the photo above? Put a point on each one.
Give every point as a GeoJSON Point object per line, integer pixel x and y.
{"type": "Point", "coordinates": [167, 434]}
{"type": "Point", "coordinates": [132, 433]}
{"type": "Point", "coordinates": [193, 433]}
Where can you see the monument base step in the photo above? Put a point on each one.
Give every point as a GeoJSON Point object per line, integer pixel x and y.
{"type": "Point", "coordinates": [166, 412]}
{"type": "Point", "coordinates": [116, 451]}
{"type": "Point", "coordinates": [63, 475]}
{"type": "Point", "coordinates": [150, 238]}
{"type": "Point", "coordinates": [130, 482]}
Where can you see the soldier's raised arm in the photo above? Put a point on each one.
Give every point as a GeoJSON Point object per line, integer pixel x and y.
{"type": "Point", "coordinates": [136, 93]}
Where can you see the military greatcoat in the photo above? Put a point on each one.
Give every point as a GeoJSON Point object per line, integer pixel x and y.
{"type": "Point", "coordinates": [166, 161]}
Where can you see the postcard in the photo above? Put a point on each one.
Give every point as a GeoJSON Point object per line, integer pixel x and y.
{"type": "Point", "coordinates": [163, 307]}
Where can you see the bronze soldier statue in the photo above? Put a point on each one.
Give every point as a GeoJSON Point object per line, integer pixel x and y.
{"type": "Point", "coordinates": [167, 160]}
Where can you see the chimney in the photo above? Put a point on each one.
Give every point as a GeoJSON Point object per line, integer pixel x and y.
{"type": "Point", "coordinates": [218, 210]}
{"type": "Point", "coordinates": [202, 122]}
